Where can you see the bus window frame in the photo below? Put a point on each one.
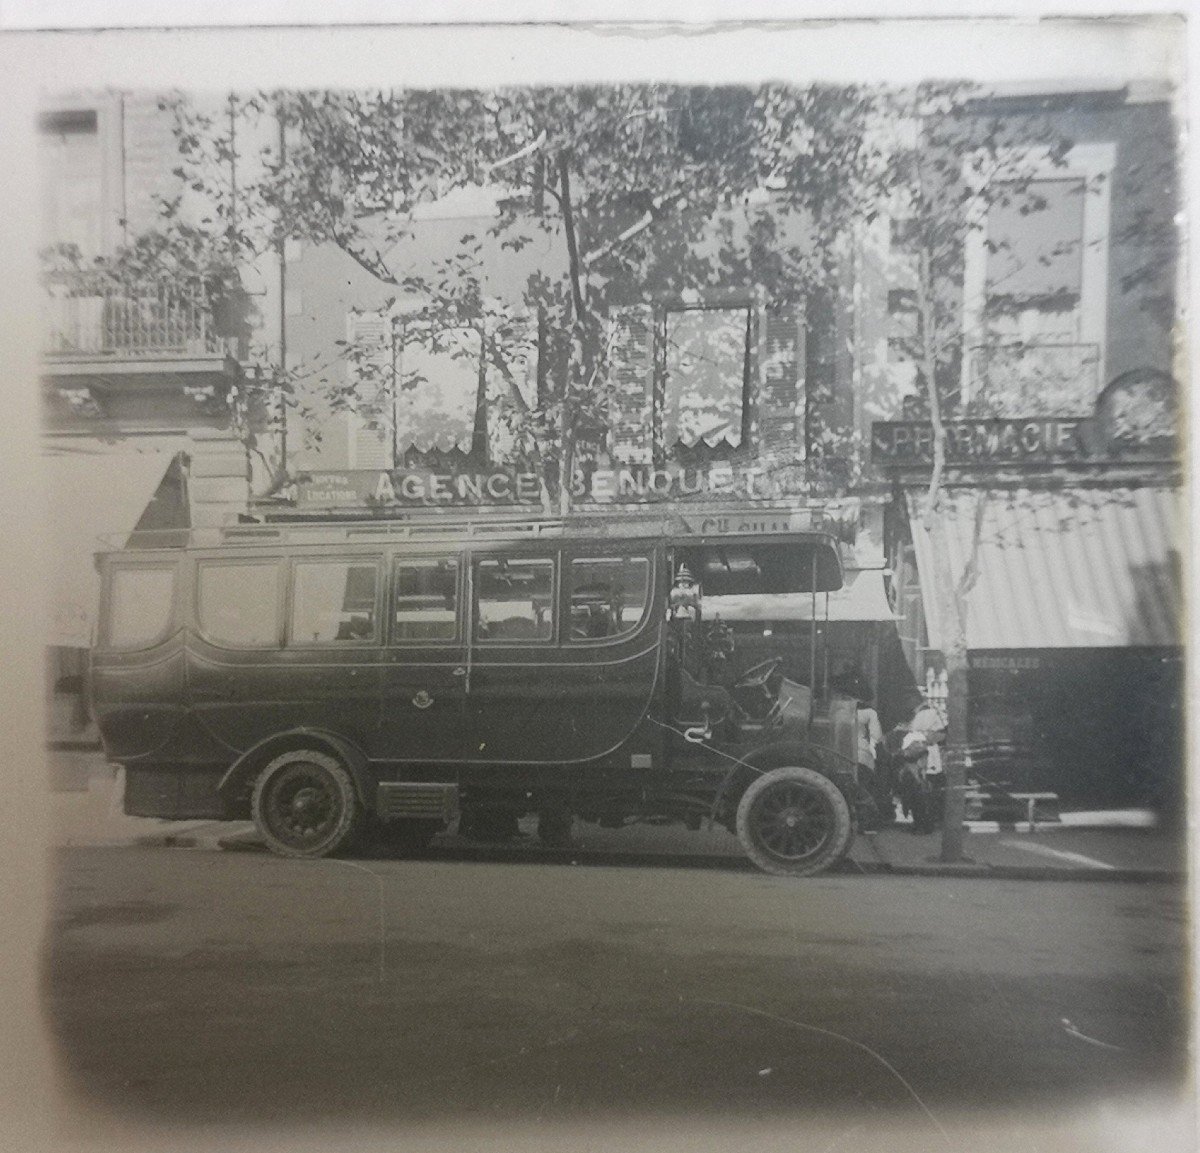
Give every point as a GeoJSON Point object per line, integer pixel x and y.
{"type": "Point", "coordinates": [646, 554]}
{"type": "Point", "coordinates": [172, 624]}
{"type": "Point", "coordinates": [374, 641]}
{"type": "Point", "coordinates": [554, 556]}
{"type": "Point", "coordinates": [281, 592]}
{"type": "Point", "coordinates": [399, 557]}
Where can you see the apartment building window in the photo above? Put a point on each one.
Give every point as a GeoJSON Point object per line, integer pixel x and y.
{"type": "Point", "coordinates": [706, 359]}
{"type": "Point", "coordinates": [1036, 285]}
{"type": "Point", "coordinates": [438, 374]}
{"type": "Point", "coordinates": [71, 181]}
{"type": "Point", "coordinates": [417, 387]}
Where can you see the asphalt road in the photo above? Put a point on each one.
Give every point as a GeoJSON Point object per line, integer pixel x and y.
{"type": "Point", "coordinates": [202, 988]}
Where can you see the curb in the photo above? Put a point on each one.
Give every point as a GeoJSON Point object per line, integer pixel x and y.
{"type": "Point", "coordinates": [246, 842]}
{"type": "Point", "coordinates": [1021, 872]}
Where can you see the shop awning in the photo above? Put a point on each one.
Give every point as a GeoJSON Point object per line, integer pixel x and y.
{"type": "Point", "coordinates": [1073, 568]}
{"type": "Point", "coordinates": [94, 490]}
{"type": "Point", "coordinates": [861, 598]}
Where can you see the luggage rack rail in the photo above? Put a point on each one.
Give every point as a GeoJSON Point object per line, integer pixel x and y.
{"type": "Point", "coordinates": [616, 523]}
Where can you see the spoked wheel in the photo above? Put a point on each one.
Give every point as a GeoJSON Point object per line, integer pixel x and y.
{"type": "Point", "coordinates": [794, 822]}
{"type": "Point", "coordinates": [304, 805]}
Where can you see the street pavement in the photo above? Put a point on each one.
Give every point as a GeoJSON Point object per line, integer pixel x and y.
{"type": "Point", "coordinates": [645, 989]}
{"type": "Point", "coordinates": [198, 992]}
{"type": "Point", "coordinates": [86, 811]}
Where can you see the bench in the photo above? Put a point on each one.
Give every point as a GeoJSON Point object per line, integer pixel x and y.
{"type": "Point", "coordinates": [1030, 800]}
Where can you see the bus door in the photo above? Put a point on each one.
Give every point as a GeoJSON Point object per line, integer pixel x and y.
{"type": "Point", "coordinates": [425, 662]}
{"type": "Point", "coordinates": [563, 657]}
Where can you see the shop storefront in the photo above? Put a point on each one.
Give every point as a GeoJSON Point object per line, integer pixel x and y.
{"type": "Point", "coordinates": [1065, 539]}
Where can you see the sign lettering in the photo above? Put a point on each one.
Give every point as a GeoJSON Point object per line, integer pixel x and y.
{"type": "Point", "coordinates": [1033, 441]}
{"type": "Point", "coordinates": [630, 485]}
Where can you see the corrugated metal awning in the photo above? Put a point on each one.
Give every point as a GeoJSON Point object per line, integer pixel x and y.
{"type": "Point", "coordinates": [861, 598]}
{"type": "Point", "coordinates": [1072, 568]}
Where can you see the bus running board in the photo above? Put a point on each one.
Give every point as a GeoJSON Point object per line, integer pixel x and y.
{"type": "Point", "coordinates": [397, 800]}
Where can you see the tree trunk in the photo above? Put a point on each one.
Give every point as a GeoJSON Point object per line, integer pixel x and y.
{"type": "Point", "coordinates": [954, 653]}
{"type": "Point", "coordinates": [951, 594]}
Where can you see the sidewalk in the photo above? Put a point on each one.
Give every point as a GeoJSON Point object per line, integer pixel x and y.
{"type": "Point", "coordinates": [1083, 846]}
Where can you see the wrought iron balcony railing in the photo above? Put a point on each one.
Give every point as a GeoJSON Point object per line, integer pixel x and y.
{"type": "Point", "coordinates": [1032, 379]}
{"type": "Point", "coordinates": [95, 314]}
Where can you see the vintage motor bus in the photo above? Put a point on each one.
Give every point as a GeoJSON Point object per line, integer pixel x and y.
{"type": "Point", "coordinates": [329, 679]}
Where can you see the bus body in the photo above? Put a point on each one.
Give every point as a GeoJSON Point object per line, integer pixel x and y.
{"type": "Point", "coordinates": [325, 679]}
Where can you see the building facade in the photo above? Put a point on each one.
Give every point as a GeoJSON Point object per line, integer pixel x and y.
{"type": "Point", "coordinates": [749, 390]}
{"type": "Point", "coordinates": [138, 368]}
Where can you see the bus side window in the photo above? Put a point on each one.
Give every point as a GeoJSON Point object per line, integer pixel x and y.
{"type": "Point", "coordinates": [514, 599]}
{"type": "Point", "coordinates": [333, 602]}
{"type": "Point", "coordinates": [237, 602]}
{"type": "Point", "coordinates": [425, 599]}
{"type": "Point", "coordinates": [139, 605]}
{"type": "Point", "coordinates": [608, 595]}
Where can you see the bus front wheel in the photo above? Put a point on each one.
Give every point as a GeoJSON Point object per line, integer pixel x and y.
{"type": "Point", "coordinates": [794, 822]}
{"type": "Point", "coordinates": [304, 804]}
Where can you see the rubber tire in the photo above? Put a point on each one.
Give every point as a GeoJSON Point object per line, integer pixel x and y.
{"type": "Point", "coordinates": [554, 827]}
{"type": "Point", "coordinates": [828, 852]}
{"type": "Point", "coordinates": [347, 812]}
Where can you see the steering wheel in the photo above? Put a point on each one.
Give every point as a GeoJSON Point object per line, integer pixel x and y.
{"type": "Point", "coordinates": [758, 675]}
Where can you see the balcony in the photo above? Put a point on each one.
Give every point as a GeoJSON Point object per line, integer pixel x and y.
{"type": "Point", "coordinates": [1028, 379]}
{"type": "Point", "coordinates": [159, 347]}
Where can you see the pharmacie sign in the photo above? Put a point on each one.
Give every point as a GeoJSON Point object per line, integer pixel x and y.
{"type": "Point", "coordinates": [431, 488]}
{"type": "Point", "coordinates": [1034, 440]}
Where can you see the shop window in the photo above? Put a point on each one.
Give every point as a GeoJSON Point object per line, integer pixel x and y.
{"type": "Point", "coordinates": [333, 602]}
{"type": "Point", "coordinates": [514, 599]}
{"type": "Point", "coordinates": [139, 605]}
{"type": "Point", "coordinates": [608, 596]}
{"type": "Point", "coordinates": [425, 600]}
{"type": "Point", "coordinates": [706, 371]}
{"type": "Point", "coordinates": [237, 604]}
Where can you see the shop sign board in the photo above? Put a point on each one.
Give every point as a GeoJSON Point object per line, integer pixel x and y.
{"type": "Point", "coordinates": [1005, 662]}
{"type": "Point", "coordinates": [454, 488]}
{"type": "Point", "coordinates": [1033, 440]}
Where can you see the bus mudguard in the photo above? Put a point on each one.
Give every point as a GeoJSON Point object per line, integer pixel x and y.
{"type": "Point", "coordinates": [235, 786]}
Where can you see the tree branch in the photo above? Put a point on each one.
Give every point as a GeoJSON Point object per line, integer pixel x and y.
{"type": "Point", "coordinates": [564, 182]}
{"type": "Point", "coordinates": [639, 226]}
{"type": "Point", "coordinates": [520, 153]}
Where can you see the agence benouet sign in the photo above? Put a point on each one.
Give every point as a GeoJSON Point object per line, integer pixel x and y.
{"type": "Point", "coordinates": [426, 488]}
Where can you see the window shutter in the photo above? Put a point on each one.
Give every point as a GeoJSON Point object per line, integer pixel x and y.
{"type": "Point", "coordinates": [369, 447]}
{"type": "Point", "coordinates": [781, 400]}
{"type": "Point", "coordinates": [631, 383]}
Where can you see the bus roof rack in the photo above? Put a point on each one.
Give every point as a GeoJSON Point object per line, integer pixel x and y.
{"type": "Point", "coordinates": [686, 522]}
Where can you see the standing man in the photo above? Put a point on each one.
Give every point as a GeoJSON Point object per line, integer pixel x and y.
{"type": "Point", "coordinates": [872, 771]}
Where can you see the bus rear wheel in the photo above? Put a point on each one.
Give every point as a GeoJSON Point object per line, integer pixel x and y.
{"type": "Point", "coordinates": [304, 804]}
{"type": "Point", "coordinates": [794, 822]}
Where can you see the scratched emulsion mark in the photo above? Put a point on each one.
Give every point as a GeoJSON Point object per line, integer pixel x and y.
{"type": "Point", "coordinates": [382, 922]}
{"type": "Point", "coordinates": [1071, 1031]}
{"type": "Point", "coordinates": [839, 1037]}
{"type": "Point", "coordinates": [123, 913]}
